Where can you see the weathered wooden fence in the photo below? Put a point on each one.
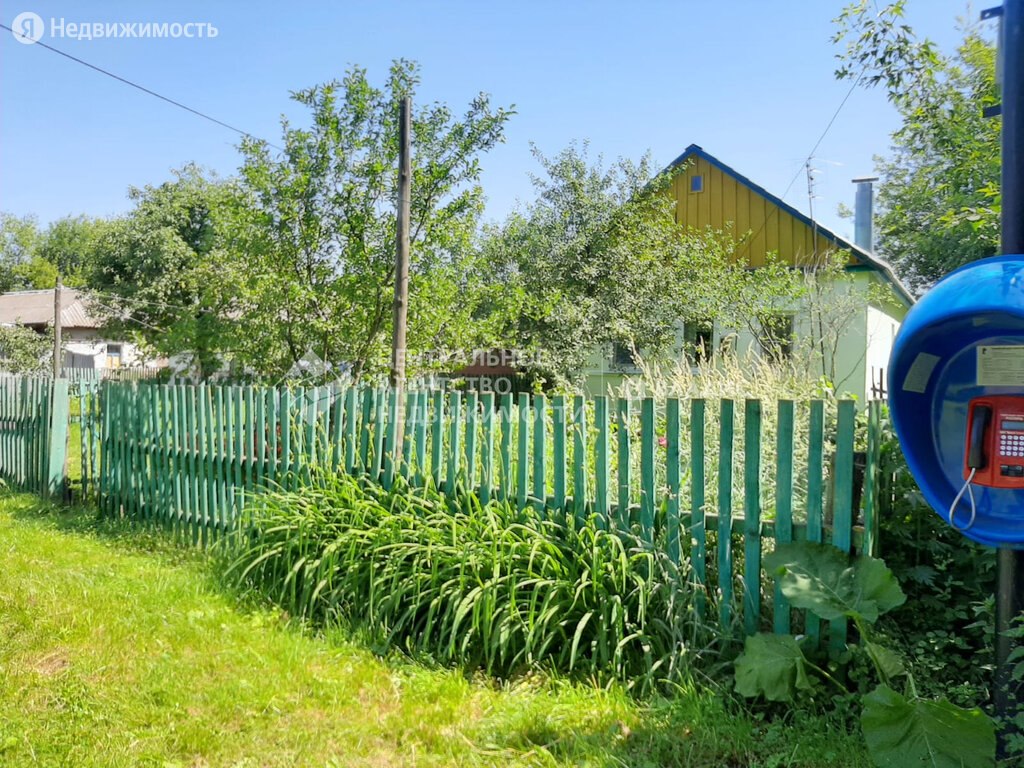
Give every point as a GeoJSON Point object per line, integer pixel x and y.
{"type": "Point", "coordinates": [128, 373]}
{"type": "Point", "coordinates": [711, 481]}
{"type": "Point", "coordinates": [33, 433]}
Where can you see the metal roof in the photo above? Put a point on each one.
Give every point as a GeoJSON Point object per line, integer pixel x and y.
{"type": "Point", "coordinates": [36, 308]}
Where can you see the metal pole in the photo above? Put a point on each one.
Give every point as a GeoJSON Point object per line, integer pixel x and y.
{"type": "Point", "coordinates": [56, 330]}
{"type": "Point", "coordinates": [1010, 563]}
{"type": "Point", "coordinates": [401, 269]}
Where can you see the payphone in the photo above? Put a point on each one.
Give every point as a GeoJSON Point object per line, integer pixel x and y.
{"type": "Point", "coordinates": [994, 450]}
{"type": "Point", "coordinates": [956, 395]}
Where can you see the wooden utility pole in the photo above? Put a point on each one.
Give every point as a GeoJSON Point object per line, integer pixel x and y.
{"type": "Point", "coordinates": [401, 271]}
{"type": "Point", "coordinates": [56, 330]}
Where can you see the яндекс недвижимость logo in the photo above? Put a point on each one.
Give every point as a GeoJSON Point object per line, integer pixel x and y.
{"type": "Point", "coordinates": [28, 27]}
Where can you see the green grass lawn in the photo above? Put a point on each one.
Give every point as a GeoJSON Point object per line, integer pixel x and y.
{"type": "Point", "coordinates": [118, 649]}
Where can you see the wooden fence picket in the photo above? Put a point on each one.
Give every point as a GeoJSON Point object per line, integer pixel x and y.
{"type": "Point", "coordinates": [783, 504]}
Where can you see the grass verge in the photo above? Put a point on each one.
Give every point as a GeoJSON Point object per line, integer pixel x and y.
{"type": "Point", "coordinates": [118, 649]}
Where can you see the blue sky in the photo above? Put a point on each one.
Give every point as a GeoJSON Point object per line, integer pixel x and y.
{"type": "Point", "coordinates": [750, 81]}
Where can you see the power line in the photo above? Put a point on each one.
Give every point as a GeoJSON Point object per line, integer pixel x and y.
{"type": "Point", "coordinates": [92, 292]}
{"type": "Point", "coordinates": [810, 155]}
{"type": "Point", "coordinates": [122, 315]}
{"type": "Point", "coordinates": [142, 88]}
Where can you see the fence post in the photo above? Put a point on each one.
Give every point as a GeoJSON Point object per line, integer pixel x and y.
{"type": "Point", "coordinates": [58, 438]}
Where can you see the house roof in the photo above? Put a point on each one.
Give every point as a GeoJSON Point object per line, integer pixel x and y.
{"type": "Point", "coordinates": [36, 308]}
{"type": "Point", "coordinates": [863, 257]}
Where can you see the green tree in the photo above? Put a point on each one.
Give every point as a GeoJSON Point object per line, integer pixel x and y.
{"type": "Point", "coordinates": [157, 272]}
{"type": "Point", "coordinates": [939, 199]}
{"type": "Point", "coordinates": [70, 245]}
{"type": "Point", "coordinates": [30, 257]}
{"type": "Point", "coordinates": [599, 259]}
{"type": "Point", "coordinates": [19, 243]}
{"type": "Point", "coordinates": [316, 226]}
{"type": "Point", "coordinates": [35, 274]}
{"type": "Point", "coordinates": [23, 351]}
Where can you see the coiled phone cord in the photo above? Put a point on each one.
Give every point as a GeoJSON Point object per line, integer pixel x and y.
{"type": "Point", "coordinates": [974, 509]}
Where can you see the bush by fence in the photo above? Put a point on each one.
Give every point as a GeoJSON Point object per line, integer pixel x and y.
{"type": "Point", "coordinates": [711, 481]}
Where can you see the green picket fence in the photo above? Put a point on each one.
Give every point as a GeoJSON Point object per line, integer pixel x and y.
{"type": "Point", "coordinates": [33, 429]}
{"type": "Point", "coordinates": [84, 445]}
{"type": "Point", "coordinates": [710, 481]}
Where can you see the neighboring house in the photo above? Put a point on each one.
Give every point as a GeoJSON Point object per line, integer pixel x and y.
{"type": "Point", "coordinates": [85, 344]}
{"type": "Point", "coordinates": [709, 193]}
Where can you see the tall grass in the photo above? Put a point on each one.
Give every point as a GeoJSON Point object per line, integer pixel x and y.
{"type": "Point", "coordinates": [741, 377]}
{"type": "Point", "coordinates": [486, 586]}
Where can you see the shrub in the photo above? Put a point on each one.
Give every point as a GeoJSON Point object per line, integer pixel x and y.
{"type": "Point", "coordinates": [947, 626]}
{"type": "Point", "coordinates": [487, 586]}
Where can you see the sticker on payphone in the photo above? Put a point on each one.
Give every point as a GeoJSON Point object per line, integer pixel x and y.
{"type": "Point", "coordinates": [994, 449]}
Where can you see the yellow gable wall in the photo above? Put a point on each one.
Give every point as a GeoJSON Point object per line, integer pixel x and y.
{"type": "Point", "coordinates": [760, 224]}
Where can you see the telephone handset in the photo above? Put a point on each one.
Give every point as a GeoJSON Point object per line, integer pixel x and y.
{"type": "Point", "coordinates": [994, 453]}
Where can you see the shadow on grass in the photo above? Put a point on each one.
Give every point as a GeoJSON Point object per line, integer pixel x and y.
{"type": "Point", "coordinates": [128, 535]}
{"type": "Point", "coordinates": [555, 720]}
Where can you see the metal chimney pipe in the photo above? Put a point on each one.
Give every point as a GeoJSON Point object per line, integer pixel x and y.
{"type": "Point", "coordinates": [864, 212]}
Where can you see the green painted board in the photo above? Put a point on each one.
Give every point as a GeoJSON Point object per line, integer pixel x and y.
{"type": "Point", "coordinates": [249, 453]}
{"type": "Point", "coordinates": [197, 489]}
{"type": "Point", "coordinates": [284, 416]}
{"type": "Point", "coordinates": [365, 426]}
{"type": "Point", "coordinates": [602, 495]}
{"type": "Point", "coordinates": [472, 431]}
{"type": "Point", "coordinates": [698, 534]}
{"type": "Point", "coordinates": [437, 439]}
{"type": "Point", "coordinates": [220, 433]}
{"type": "Point", "coordinates": [783, 504]}
{"type": "Point", "coordinates": [751, 516]}
{"type": "Point", "coordinates": [648, 441]}
{"type": "Point", "coordinates": [539, 492]}
{"type": "Point", "coordinates": [487, 448]}
{"type": "Point", "coordinates": [83, 438]}
{"type": "Point", "coordinates": [422, 419]}
{"type": "Point", "coordinates": [261, 440]}
{"type": "Point", "coordinates": [337, 428]}
{"type": "Point", "coordinates": [240, 460]}
{"type": "Point", "coordinates": [522, 457]}
{"type": "Point", "coordinates": [377, 465]}
{"type": "Point", "coordinates": [351, 417]}
{"type": "Point", "coordinates": [390, 440]}
{"type": "Point", "coordinates": [579, 460]}
{"type": "Point", "coordinates": [842, 501]}
{"type": "Point", "coordinates": [558, 453]}
{"type": "Point", "coordinates": [725, 569]}
{"type": "Point", "coordinates": [505, 451]}
{"type": "Point", "coordinates": [212, 457]}
{"type": "Point", "coordinates": [624, 424]}
{"type": "Point", "coordinates": [202, 429]}
{"type": "Point", "coordinates": [409, 432]}
{"type": "Point", "coordinates": [454, 457]}
{"type": "Point", "coordinates": [58, 438]}
{"type": "Point", "coordinates": [673, 478]}
{"type": "Point", "coordinates": [274, 473]}
{"type": "Point", "coordinates": [176, 465]}
{"type": "Point", "coordinates": [815, 464]}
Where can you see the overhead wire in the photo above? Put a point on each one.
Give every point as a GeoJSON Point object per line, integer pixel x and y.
{"type": "Point", "coordinates": [810, 155]}
{"type": "Point", "coordinates": [144, 89]}
{"type": "Point", "coordinates": [821, 138]}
